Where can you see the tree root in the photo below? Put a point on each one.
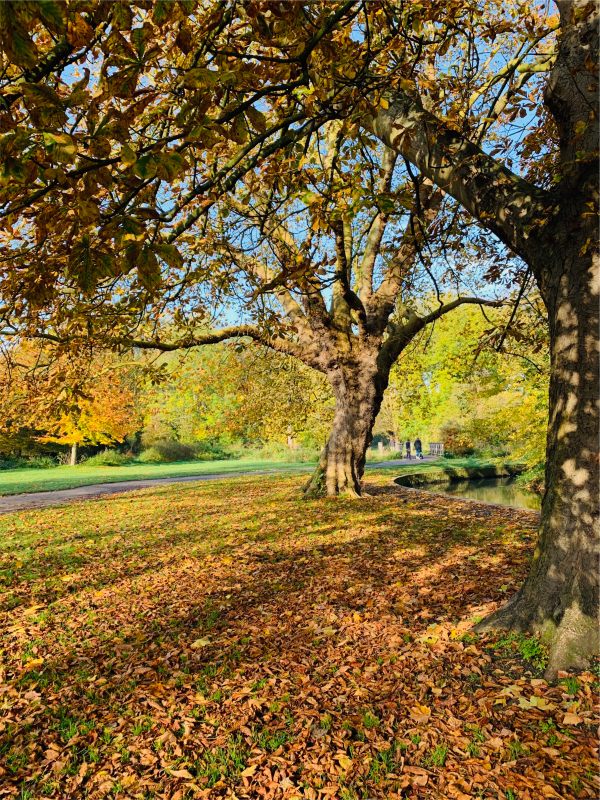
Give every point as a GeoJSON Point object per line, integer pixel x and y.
{"type": "Point", "coordinates": [572, 642]}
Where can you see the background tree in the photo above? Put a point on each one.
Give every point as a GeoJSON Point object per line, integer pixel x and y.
{"type": "Point", "coordinates": [228, 398]}
{"type": "Point", "coordinates": [484, 377]}
{"type": "Point", "coordinates": [66, 400]}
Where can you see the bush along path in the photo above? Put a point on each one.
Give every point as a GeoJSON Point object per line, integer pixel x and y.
{"type": "Point", "coordinates": [233, 641]}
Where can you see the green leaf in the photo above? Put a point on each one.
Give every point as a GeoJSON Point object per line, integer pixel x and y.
{"type": "Point", "coordinates": [52, 14]}
{"type": "Point", "coordinates": [148, 269]}
{"type": "Point", "coordinates": [385, 203]}
{"type": "Point", "coordinates": [60, 146]}
{"type": "Point", "coordinates": [44, 105]}
{"type": "Point", "coordinates": [170, 254]}
{"type": "Point", "coordinates": [145, 167]}
{"type": "Point", "coordinates": [162, 11]}
{"type": "Point", "coordinates": [309, 198]}
{"type": "Point", "coordinates": [132, 230]}
{"type": "Point", "coordinates": [257, 119]}
{"type": "Point", "coordinates": [238, 131]}
{"type": "Point", "coordinates": [122, 16]}
{"type": "Point", "coordinates": [88, 264]}
{"type": "Point", "coordinates": [200, 78]}
{"type": "Point", "coordinates": [170, 165]}
{"type": "Point", "coordinates": [128, 156]}
{"type": "Point", "coordinates": [14, 37]}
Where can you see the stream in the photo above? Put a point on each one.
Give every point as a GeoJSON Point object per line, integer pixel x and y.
{"type": "Point", "coordinates": [502, 491]}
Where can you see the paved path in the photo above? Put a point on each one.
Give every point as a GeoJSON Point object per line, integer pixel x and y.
{"type": "Point", "coordinates": [21, 502]}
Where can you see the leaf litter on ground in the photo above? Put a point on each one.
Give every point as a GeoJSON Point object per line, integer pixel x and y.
{"type": "Point", "coordinates": [234, 641]}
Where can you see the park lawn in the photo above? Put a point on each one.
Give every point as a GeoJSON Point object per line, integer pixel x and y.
{"type": "Point", "coordinates": [17, 481]}
{"type": "Point", "coordinates": [221, 640]}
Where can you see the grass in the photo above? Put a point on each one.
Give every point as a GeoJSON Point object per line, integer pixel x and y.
{"type": "Point", "coordinates": [17, 481]}
{"type": "Point", "coordinates": [217, 635]}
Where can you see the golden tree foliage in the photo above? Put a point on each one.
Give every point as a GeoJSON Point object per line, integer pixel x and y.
{"type": "Point", "coordinates": [65, 399]}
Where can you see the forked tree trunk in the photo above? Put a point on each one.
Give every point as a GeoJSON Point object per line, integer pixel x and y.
{"type": "Point", "coordinates": [560, 598]}
{"type": "Point", "coordinates": [358, 395]}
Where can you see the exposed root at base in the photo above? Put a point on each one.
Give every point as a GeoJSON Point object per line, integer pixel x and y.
{"type": "Point", "coordinates": [572, 643]}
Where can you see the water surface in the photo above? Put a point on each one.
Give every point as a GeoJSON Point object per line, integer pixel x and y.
{"type": "Point", "coordinates": [503, 491]}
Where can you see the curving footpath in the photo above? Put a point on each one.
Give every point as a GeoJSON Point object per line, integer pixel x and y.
{"type": "Point", "coordinates": [33, 500]}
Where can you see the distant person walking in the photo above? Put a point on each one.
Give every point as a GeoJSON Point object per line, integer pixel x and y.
{"type": "Point", "coordinates": [418, 448]}
{"type": "Point", "coordinates": [407, 445]}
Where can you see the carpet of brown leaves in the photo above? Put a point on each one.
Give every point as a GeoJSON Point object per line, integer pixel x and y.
{"type": "Point", "coordinates": [230, 640]}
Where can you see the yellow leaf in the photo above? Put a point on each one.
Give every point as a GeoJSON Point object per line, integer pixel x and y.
{"type": "Point", "coordinates": [384, 103]}
{"type": "Point", "coordinates": [200, 643]}
{"type": "Point", "coordinates": [572, 719]}
{"type": "Point", "coordinates": [249, 771]}
{"type": "Point", "coordinates": [420, 713]}
{"type": "Point", "coordinates": [542, 703]}
{"type": "Point", "coordinates": [344, 761]}
{"type": "Point", "coordinates": [35, 662]}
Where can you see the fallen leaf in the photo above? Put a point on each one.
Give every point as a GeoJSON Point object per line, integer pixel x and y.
{"type": "Point", "coordinates": [181, 773]}
{"type": "Point", "coordinates": [198, 643]}
{"type": "Point", "coordinates": [571, 719]}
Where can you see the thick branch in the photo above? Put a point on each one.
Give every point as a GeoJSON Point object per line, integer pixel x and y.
{"type": "Point", "coordinates": [377, 229]}
{"type": "Point", "coordinates": [197, 340]}
{"type": "Point", "coordinates": [214, 337]}
{"type": "Point", "coordinates": [502, 201]}
{"type": "Point", "coordinates": [340, 305]}
{"type": "Point", "coordinates": [413, 240]}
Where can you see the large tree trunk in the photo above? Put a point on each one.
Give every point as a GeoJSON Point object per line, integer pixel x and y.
{"type": "Point", "coordinates": [358, 394]}
{"type": "Point", "coordinates": [560, 597]}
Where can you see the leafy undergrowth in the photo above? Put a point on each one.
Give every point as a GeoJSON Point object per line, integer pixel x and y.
{"type": "Point", "coordinates": [231, 640]}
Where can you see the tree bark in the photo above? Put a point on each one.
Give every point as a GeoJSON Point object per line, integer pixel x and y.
{"type": "Point", "coordinates": [560, 597]}
{"type": "Point", "coordinates": [358, 392]}
{"type": "Point", "coordinates": [73, 459]}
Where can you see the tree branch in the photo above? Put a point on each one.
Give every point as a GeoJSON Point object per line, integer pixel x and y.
{"type": "Point", "coordinates": [401, 335]}
{"type": "Point", "coordinates": [377, 229]}
{"type": "Point", "coordinates": [505, 203]}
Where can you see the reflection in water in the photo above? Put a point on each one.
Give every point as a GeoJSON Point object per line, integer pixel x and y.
{"type": "Point", "coordinates": [503, 491]}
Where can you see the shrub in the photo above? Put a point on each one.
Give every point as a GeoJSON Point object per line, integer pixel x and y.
{"type": "Point", "coordinates": [35, 462]}
{"type": "Point", "coordinates": [457, 440]}
{"type": "Point", "coordinates": [107, 458]}
{"type": "Point", "coordinates": [211, 451]}
{"type": "Point", "coordinates": [40, 462]}
{"type": "Point", "coordinates": [274, 451]}
{"type": "Point", "coordinates": [165, 452]}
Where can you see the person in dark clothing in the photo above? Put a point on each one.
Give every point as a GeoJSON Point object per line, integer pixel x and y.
{"type": "Point", "coordinates": [407, 445]}
{"type": "Point", "coordinates": [418, 448]}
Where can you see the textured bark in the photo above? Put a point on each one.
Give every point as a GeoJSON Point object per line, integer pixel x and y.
{"type": "Point", "coordinates": [358, 389]}
{"type": "Point", "coordinates": [560, 597]}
